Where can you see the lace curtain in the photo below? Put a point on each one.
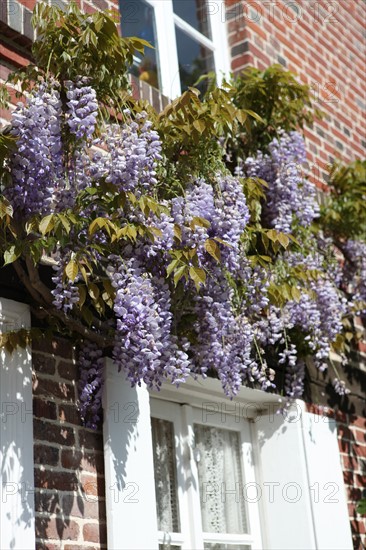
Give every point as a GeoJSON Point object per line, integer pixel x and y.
{"type": "Point", "coordinates": [165, 475]}
{"type": "Point", "coordinates": [220, 480]}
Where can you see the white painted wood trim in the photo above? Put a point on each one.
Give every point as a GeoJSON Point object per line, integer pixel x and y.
{"type": "Point", "coordinates": [17, 529]}
{"type": "Point", "coordinates": [325, 480]}
{"type": "Point", "coordinates": [299, 471]}
{"type": "Point", "coordinates": [129, 467]}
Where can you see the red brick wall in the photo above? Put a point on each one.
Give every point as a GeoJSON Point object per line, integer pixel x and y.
{"type": "Point", "coordinates": [352, 447]}
{"type": "Point", "coordinates": [323, 42]}
{"type": "Point", "coordinates": [69, 463]}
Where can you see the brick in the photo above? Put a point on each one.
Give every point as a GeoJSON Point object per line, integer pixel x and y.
{"type": "Point", "coordinates": [47, 501]}
{"type": "Point", "coordinates": [57, 481]}
{"type": "Point", "coordinates": [91, 440]}
{"type": "Point", "coordinates": [46, 545]}
{"type": "Point", "coordinates": [45, 431]}
{"type": "Point", "coordinates": [358, 421]}
{"type": "Point", "coordinates": [55, 346]}
{"type": "Point", "coordinates": [359, 435]}
{"type": "Point", "coordinates": [93, 532]}
{"type": "Point", "coordinates": [47, 387]}
{"type": "Point", "coordinates": [239, 49]}
{"type": "Point", "coordinates": [70, 414]}
{"type": "Point", "coordinates": [57, 528]}
{"type": "Point", "coordinates": [14, 58]}
{"type": "Point", "coordinates": [68, 370]}
{"type": "Point", "coordinates": [43, 364]}
{"type": "Point", "coordinates": [71, 459]}
{"type": "Point", "coordinates": [90, 462]}
{"type": "Point", "coordinates": [46, 455]}
{"type": "Point", "coordinates": [86, 508]}
{"type": "Point", "coordinates": [348, 478]}
{"type": "Point", "coordinates": [349, 462]}
{"type": "Point", "coordinates": [44, 409]}
{"type": "Point", "coordinates": [92, 486]}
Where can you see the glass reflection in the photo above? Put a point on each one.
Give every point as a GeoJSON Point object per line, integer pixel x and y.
{"type": "Point", "coordinates": [195, 13]}
{"type": "Point", "coordinates": [138, 19]}
{"type": "Point", "coordinates": [195, 60]}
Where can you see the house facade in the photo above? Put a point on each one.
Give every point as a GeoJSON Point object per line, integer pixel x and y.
{"type": "Point", "coordinates": [188, 468]}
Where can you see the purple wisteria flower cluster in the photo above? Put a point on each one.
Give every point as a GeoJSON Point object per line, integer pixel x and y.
{"type": "Point", "coordinates": [133, 151]}
{"type": "Point", "coordinates": [37, 165]}
{"type": "Point", "coordinates": [290, 196]}
{"type": "Point", "coordinates": [234, 325]}
{"type": "Point", "coordinates": [91, 368]}
{"type": "Point", "coordinates": [354, 273]}
{"type": "Point", "coordinates": [145, 347]}
{"type": "Point", "coordinates": [82, 108]}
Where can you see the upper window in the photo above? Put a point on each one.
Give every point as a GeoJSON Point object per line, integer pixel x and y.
{"type": "Point", "coordinates": [189, 38]}
{"type": "Point", "coordinates": [203, 472]}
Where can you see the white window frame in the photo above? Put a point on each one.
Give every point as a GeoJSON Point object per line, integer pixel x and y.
{"type": "Point", "coordinates": [298, 450]}
{"type": "Point", "coordinates": [183, 418]}
{"type": "Point", "coordinates": [165, 21]}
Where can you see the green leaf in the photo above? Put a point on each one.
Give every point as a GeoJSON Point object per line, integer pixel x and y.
{"type": "Point", "coordinates": [198, 276]}
{"type": "Point", "coordinates": [283, 239]}
{"type": "Point", "coordinates": [87, 315]}
{"type": "Point", "coordinates": [200, 125]}
{"type": "Point", "coordinates": [5, 208]}
{"type": "Point", "coordinates": [94, 291]}
{"type": "Point", "coordinates": [201, 222]}
{"type": "Point", "coordinates": [96, 224]}
{"type": "Point", "coordinates": [178, 232]}
{"type": "Point", "coordinates": [65, 222]}
{"type": "Point", "coordinates": [179, 274]}
{"type": "Point", "coordinates": [11, 254]}
{"type": "Point", "coordinates": [295, 293]}
{"type": "Point", "coordinates": [47, 224]}
{"type": "Point", "coordinates": [213, 249]}
{"type": "Point", "coordinates": [72, 270]}
{"type": "Point", "coordinates": [361, 507]}
{"type": "Point", "coordinates": [82, 295]}
{"type": "Point", "coordinates": [173, 264]}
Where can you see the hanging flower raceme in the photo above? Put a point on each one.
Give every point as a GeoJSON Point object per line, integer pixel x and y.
{"type": "Point", "coordinates": [82, 108]}
{"type": "Point", "coordinates": [65, 292]}
{"type": "Point", "coordinates": [133, 151]}
{"type": "Point", "coordinates": [127, 241]}
{"type": "Point", "coordinates": [290, 196]}
{"type": "Point", "coordinates": [145, 348]}
{"type": "Point", "coordinates": [91, 366]}
{"type": "Point", "coordinates": [37, 165]}
{"type": "Point", "coordinates": [354, 273]}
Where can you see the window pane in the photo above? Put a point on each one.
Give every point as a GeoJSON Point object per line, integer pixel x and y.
{"type": "Point", "coordinates": [224, 546]}
{"type": "Point", "coordinates": [195, 13]}
{"type": "Point", "coordinates": [165, 475]}
{"type": "Point", "coordinates": [138, 19]}
{"type": "Point", "coordinates": [220, 480]}
{"type": "Point", "coordinates": [194, 59]}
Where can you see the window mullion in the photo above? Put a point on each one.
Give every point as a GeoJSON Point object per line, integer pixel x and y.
{"type": "Point", "coordinates": [164, 18]}
{"type": "Point", "coordinates": [221, 41]}
{"type": "Point", "coordinates": [192, 504]}
{"type": "Point", "coordinates": [191, 31]}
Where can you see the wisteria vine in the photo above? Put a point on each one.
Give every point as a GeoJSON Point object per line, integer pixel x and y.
{"type": "Point", "coordinates": [174, 280]}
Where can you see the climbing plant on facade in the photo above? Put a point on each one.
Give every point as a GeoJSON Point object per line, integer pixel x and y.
{"type": "Point", "coordinates": [187, 242]}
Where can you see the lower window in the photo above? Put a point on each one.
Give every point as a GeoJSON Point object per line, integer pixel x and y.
{"type": "Point", "coordinates": [203, 471]}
